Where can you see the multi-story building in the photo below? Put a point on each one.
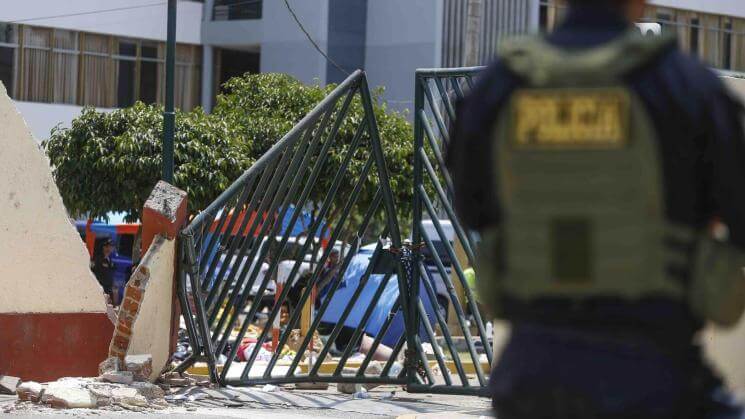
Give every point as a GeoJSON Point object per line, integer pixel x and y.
{"type": "Point", "coordinates": [56, 57]}
{"type": "Point", "coordinates": [712, 30]}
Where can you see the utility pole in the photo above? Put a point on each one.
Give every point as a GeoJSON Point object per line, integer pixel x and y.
{"type": "Point", "coordinates": [474, 23]}
{"type": "Point", "coordinates": [169, 115]}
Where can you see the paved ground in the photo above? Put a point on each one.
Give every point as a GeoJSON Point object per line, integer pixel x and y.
{"type": "Point", "coordinates": [283, 403]}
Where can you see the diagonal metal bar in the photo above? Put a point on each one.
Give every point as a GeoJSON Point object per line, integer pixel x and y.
{"type": "Point", "coordinates": [470, 299]}
{"type": "Point", "coordinates": [465, 239]}
{"type": "Point", "coordinates": [460, 315]}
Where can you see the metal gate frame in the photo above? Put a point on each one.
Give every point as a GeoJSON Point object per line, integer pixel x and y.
{"type": "Point", "coordinates": [267, 189]}
{"type": "Point", "coordinates": [435, 93]}
{"type": "Point", "coordinates": [269, 186]}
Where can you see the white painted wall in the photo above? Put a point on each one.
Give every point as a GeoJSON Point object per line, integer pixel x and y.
{"type": "Point", "coordinates": [44, 265]}
{"type": "Point", "coordinates": [401, 37]}
{"type": "Point", "coordinates": [42, 117]}
{"type": "Point", "coordinates": [285, 48]}
{"type": "Point", "coordinates": [147, 21]}
{"type": "Point", "coordinates": [722, 7]}
{"type": "Point", "coordinates": [151, 331]}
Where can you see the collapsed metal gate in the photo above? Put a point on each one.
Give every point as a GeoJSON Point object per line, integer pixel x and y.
{"type": "Point", "coordinates": [241, 249]}
{"type": "Point", "coordinates": [278, 283]}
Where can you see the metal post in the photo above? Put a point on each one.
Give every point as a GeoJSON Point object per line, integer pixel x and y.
{"type": "Point", "coordinates": [169, 116]}
{"type": "Point", "coordinates": [416, 236]}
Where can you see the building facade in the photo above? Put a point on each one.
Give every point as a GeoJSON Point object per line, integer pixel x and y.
{"type": "Point", "coordinates": [56, 57]}
{"type": "Point", "coordinates": [714, 31]}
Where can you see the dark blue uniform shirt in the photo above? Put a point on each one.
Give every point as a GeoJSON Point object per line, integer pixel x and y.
{"type": "Point", "coordinates": [702, 153]}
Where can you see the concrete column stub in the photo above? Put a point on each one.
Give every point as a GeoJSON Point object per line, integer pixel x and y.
{"type": "Point", "coordinates": [165, 212]}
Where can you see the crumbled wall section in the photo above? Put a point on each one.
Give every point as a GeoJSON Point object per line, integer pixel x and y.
{"type": "Point", "coordinates": [144, 324]}
{"type": "Point", "coordinates": [44, 266]}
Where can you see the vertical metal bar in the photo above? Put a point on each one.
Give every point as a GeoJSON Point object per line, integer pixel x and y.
{"type": "Point", "coordinates": [416, 236]}
{"type": "Point", "coordinates": [169, 116]}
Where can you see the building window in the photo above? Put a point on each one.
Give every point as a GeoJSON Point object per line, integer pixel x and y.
{"type": "Point", "coordinates": [149, 73]}
{"type": "Point", "coordinates": [126, 63]}
{"type": "Point", "coordinates": [36, 59]}
{"type": "Point", "coordinates": [8, 48]}
{"type": "Point", "coordinates": [543, 17]}
{"type": "Point", "coordinates": [237, 9]}
{"type": "Point", "coordinates": [97, 72]}
{"type": "Point", "coordinates": [65, 67]}
{"type": "Point", "coordinates": [727, 46]}
{"type": "Point", "coordinates": [694, 36]}
{"type": "Point", "coordinates": [61, 66]}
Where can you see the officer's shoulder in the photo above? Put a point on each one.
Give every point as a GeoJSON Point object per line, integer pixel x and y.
{"type": "Point", "coordinates": [689, 74]}
{"type": "Point", "coordinates": [491, 87]}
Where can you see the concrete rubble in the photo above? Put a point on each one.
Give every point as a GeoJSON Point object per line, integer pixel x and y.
{"type": "Point", "coordinates": [122, 385]}
{"type": "Point", "coordinates": [141, 366]}
{"type": "Point", "coordinates": [8, 384]}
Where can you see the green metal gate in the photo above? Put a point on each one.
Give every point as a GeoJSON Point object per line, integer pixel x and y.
{"type": "Point", "coordinates": [464, 360]}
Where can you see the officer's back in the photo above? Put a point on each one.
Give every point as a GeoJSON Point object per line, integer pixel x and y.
{"type": "Point", "coordinates": [594, 241]}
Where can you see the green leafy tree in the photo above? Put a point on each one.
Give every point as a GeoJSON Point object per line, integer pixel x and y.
{"type": "Point", "coordinates": [264, 107]}
{"type": "Point", "coordinates": [110, 161]}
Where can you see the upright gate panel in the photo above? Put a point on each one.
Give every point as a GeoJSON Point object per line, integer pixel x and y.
{"type": "Point", "coordinates": [277, 285]}
{"type": "Point", "coordinates": [457, 332]}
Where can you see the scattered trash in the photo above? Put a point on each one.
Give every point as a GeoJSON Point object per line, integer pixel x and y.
{"type": "Point", "coordinates": [362, 394]}
{"type": "Point", "coordinates": [270, 388]}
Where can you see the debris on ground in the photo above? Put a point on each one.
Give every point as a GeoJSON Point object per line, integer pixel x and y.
{"type": "Point", "coordinates": [30, 391]}
{"type": "Point", "coordinates": [118, 377]}
{"type": "Point", "coordinates": [120, 385]}
{"type": "Point", "coordinates": [176, 379]}
{"type": "Point", "coordinates": [8, 384]}
{"type": "Point", "coordinates": [108, 365]}
{"type": "Point", "coordinates": [141, 366]}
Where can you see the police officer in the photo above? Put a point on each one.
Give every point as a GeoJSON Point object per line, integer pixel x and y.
{"type": "Point", "coordinates": [594, 162]}
{"type": "Point", "coordinates": [103, 267]}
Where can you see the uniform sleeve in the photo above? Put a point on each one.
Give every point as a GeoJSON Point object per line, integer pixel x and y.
{"type": "Point", "coordinates": [725, 164]}
{"type": "Point", "coordinates": [470, 152]}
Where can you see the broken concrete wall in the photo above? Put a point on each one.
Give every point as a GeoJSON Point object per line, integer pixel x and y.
{"type": "Point", "coordinates": [144, 325]}
{"type": "Point", "coordinates": [52, 310]}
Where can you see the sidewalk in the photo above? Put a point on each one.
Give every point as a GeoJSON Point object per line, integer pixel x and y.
{"type": "Point", "coordinates": [280, 403]}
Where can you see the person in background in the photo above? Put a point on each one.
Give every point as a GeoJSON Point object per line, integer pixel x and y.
{"type": "Point", "coordinates": [103, 267]}
{"type": "Point", "coordinates": [603, 171]}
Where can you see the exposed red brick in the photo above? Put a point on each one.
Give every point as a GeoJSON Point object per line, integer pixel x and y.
{"type": "Point", "coordinates": [121, 342]}
{"type": "Point", "coordinates": [130, 306]}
